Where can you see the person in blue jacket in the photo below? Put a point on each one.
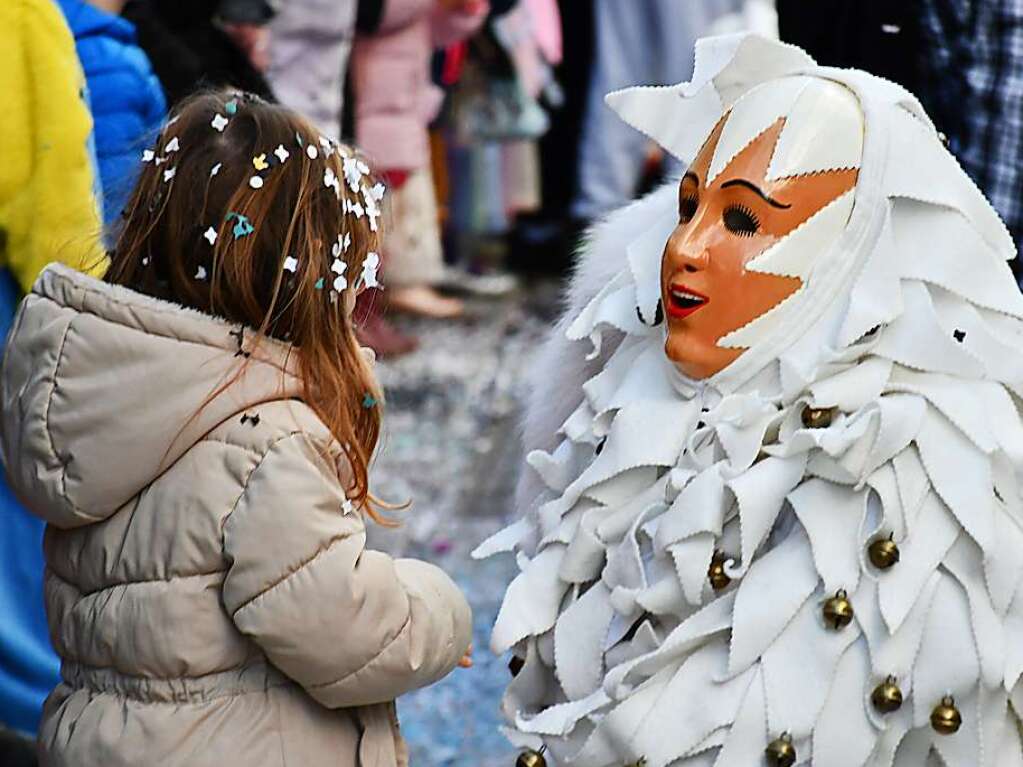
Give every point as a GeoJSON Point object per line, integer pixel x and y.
{"type": "Point", "coordinates": [128, 104]}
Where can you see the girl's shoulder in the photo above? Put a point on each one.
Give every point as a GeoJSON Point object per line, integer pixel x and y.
{"type": "Point", "coordinates": [259, 428]}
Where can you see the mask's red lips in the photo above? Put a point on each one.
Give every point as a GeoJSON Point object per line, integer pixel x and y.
{"type": "Point", "coordinates": [683, 301]}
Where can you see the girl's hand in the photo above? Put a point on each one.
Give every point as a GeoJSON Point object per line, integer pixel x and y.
{"type": "Point", "coordinates": [466, 661]}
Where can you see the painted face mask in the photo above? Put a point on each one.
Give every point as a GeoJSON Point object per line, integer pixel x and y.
{"type": "Point", "coordinates": [730, 260]}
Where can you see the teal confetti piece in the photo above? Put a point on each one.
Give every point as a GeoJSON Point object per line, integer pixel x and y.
{"type": "Point", "coordinates": [231, 106]}
{"type": "Point", "coordinates": [369, 401]}
{"type": "Point", "coordinates": [319, 284]}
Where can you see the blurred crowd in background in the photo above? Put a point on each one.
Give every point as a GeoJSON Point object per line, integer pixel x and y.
{"type": "Point", "coordinates": [484, 117]}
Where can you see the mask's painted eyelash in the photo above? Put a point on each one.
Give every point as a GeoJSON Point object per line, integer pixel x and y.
{"type": "Point", "coordinates": [687, 208]}
{"type": "Point", "coordinates": [740, 220]}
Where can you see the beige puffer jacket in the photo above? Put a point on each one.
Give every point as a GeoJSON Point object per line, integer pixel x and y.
{"type": "Point", "coordinates": [212, 602]}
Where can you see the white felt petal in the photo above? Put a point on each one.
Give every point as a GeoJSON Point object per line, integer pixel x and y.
{"type": "Point", "coordinates": [753, 59]}
{"type": "Point", "coordinates": [947, 455]}
{"type": "Point", "coordinates": [800, 150]}
{"type": "Point", "coordinates": [700, 507]}
{"type": "Point", "coordinates": [748, 735]}
{"type": "Point", "coordinates": [963, 406]}
{"type": "Point", "coordinates": [798, 669]}
{"type": "Point", "coordinates": [947, 662]}
{"type": "Point", "coordinates": [1014, 650]}
{"type": "Point", "coordinates": [611, 741]}
{"type": "Point", "coordinates": [854, 387]}
{"type": "Point", "coordinates": [504, 540]}
{"type": "Point", "coordinates": [531, 604]}
{"type": "Point", "coordinates": [919, 556]}
{"type": "Point", "coordinates": [584, 556]}
{"type": "Point", "coordinates": [901, 417]}
{"type": "Point", "coordinates": [644, 255]}
{"type": "Point", "coordinates": [913, 483]}
{"type": "Point", "coordinates": [894, 653]}
{"type": "Point", "coordinates": [713, 619]}
{"type": "Point", "coordinates": [795, 254]}
{"type": "Point", "coordinates": [917, 340]}
{"type": "Point", "coordinates": [964, 561]}
{"type": "Point", "coordinates": [559, 719]}
{"type": "Point", "coordinates": [831, 516]}
{"type": "Point", "coordinates": [760, 493]}
{"type": "Point", "coordinates": [665, 114]}
{"type": "Point", "coordinates": [1003, 568]}
{"type": "Point", "coordinates": [692, 696]}
{"type": "Point", "coordinates": [876, 296]}
{"type": "Point", "coordinates": [579, 642]}
{"type": "Point", "coordinates": [755, 112]}
{"type": "Point", "coordinates": [773, 590]}
{"type": "Point", "coordinates": [692, 558]}
{"type": "Point", "coordinates": [844, 735]}
{"type": "Point", "coordinates": [921, 169]}
{"type": "Point", "coordinates": [892, 519]}
{"type": "Point", "coordinates": [940, 247]}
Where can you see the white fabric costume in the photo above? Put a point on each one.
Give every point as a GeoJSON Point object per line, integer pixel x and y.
{"type": "Point", "coordinates": [908, 324]}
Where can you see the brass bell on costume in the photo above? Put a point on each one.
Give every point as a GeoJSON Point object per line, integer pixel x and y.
{"type": "Point", "coordinates": [716, 572]}
{"type": "Point", "coordinates": [780, 752]}
{"type": "Point", "coordinates": [838, 611]}
{"type": "Point", "coordinates": [530, 758]}
{"type": "Point", "coordinates": [817, 418]}
{"type": "Point", "coordinates": [887, 697]}
{"type": "Point", "coordinates": [945, 718]}
{"type": "Point", "coordinates": [883, 553]}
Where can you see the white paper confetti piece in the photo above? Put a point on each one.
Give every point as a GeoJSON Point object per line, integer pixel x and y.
{"type": "Point", "coordinates": [290, 264]}
{"type": "Point", "coordinates": [215, 170]}
{"type": "Point", "coordinates": [282, 153]}
{"type": "Point", "coordinates": [219, 123]}
{"type": "Point", "coordinates": [200, 273]}
{"type": "Point", "coordinates": [312, 151]}
{"type": "Point", "coordinates": [148, 155]}
{"type": "Point", "coordinates": [340, 283]}
{"type": "Point", "coordinates": [377, 191]}
{"type": "Point", "coordinates": [339, 266]}
{"type": "Point", "coordinates": [210, 235]}
{"type": "Point", "coordinates": [145, 260]}
{"type": "Point", "coordinates": [172, 146]}
{"type": "Point", "coordinates": [169, 174]}
{"type": "Point", "coordinates": [256, 182]}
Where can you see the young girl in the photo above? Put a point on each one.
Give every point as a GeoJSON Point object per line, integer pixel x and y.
{"type": "Point", "coordinates": [196, 432]}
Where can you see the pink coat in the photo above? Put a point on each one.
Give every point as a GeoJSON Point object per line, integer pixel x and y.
{"type": "Point", "coordinates": [395, 100]}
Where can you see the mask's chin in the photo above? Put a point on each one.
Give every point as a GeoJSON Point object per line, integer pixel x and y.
{"type": "Point", "coordinates": [696, 357]}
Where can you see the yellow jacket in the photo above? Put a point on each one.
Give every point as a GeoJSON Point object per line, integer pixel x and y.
{"type": "Point", "coordinates": [48, 207]}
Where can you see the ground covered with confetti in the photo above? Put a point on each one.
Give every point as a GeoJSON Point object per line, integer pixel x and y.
{"type": "Point", "coordinates": [451, 445]}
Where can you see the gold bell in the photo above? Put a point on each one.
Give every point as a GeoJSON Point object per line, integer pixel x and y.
{"type": "Point", "coordinates": [531, 758]}
{"type": "Point", "coordinates": [883, 553]}
{"type": "Point", "coordinates": [838, 611]}
{"type": "Point", "coordinates": [515, 665]}
{"type": "Point", "coordinates": [887, 697]}
{"type": "Point", "coordinates": [716, 572]}
{"type": "Point", "coordinates": [817, 418]}
{"type": "Point", "coordinates": [945, 718]}
{"type": "Point", "coordinates": [780, 752]}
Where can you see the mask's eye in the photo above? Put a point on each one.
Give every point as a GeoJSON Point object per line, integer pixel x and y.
{"type": "Point", "coordinates": [687, 208]}
{"type": "Point", "coordinates": [740, 220]}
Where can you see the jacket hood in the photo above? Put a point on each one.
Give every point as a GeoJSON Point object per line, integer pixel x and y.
{"type": "Point", "coordinates": [86, 20]}
{"type": "Point", "coordinates": [104, 388]}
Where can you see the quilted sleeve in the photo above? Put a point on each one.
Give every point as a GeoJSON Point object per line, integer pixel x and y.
{"type": "Point", "coordinates": [353, 627]}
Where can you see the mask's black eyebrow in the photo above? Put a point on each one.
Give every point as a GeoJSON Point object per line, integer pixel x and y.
{"type": "Point", "coordinates": [748, 185]}
{"type": "Point", "coordinates": [691, 176]}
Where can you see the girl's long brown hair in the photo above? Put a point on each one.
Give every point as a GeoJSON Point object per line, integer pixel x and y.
{"type": "Point", "coordinates": [162, 251]}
